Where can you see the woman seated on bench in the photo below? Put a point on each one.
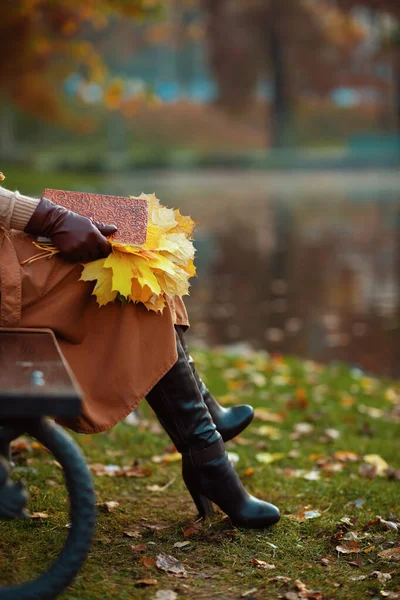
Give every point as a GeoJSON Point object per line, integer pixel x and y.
{"type": "Point", "coordinates": [121, 354]}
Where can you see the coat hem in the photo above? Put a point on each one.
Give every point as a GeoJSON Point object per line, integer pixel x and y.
{"type": "Point", "coordinates": [140, 397]}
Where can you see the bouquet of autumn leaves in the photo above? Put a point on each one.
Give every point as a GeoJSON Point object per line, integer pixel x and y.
{"type": "Point", "coordinates": [149, 274]}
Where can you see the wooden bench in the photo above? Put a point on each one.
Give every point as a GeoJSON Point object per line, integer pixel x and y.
{"type": "Point", "coordinates": [36, 382]}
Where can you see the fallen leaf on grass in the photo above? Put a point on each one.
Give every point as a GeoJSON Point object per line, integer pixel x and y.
{"type": "Point", "coordinates": [304, 592]}
{"type": "Point", "coordinates": [156, 527]}
{"type": "Point", "coordinates": [268, 431]}
{"type": "Point", "coordinates": [390, 595]}
{"type": "Point", "coordinates": [301, 592]}
{"type": "Point", "coordinates": [181, 544]}
{"type": "Point", "coordinates": [346, 456]}
{"type": "Point", "coordinates": [280, 579]}
{"type": "Point", "coordinates": [192, 530]}
{"type": "Point", "coordinates": [330, 435]}
{"type": "Point", "coordinates": [145, 582]}
{"type": "Point", "coordinates": [304, 514]}
{"type": "Point", "coordinates": [375, 413]}
{"type": "Point", "coordinates": [249, 472]}
{"type": "Point", "coordinates": [327, 561]}
{"type": "Point", "coordinates": [160, 488]}
{"type": "Point", "coordinates": [108, 506]}
{"type": "Point", "coordinates": [300, 430]}
{"type": "Point", "coordinates": [267, 457]}
{"type": "Point", "coordinates": [350, 548]}
{"type": "Point", "coordinates": [233, 457]}
{"type": "Point", "coordinates": [261, 564]}
{"type": "Point", "coordinates": [147, 561]}
{"type": "Point", "coordinates": [139, 548]}
{"type": "Point", "coordinates": [382, 577]}
{"type": "Point", "coordinates": [133, 534]}
{"type": "Point", "coordinates": [265, 415]}
{"type": "Point", "coordinates": [168, 563]}
{"type": "Point", "coordinates": [248, 593]}
{"type": "Point", "coordinates": [391, 554]}
{"type": "Point", "coordinates": [116, 471]}
{"type": "Point", "coordinates": [39, 515]}
{"type": "Point", "coordinates": [165, 595]}
{"type": "Point", "coordinates": [388, 524]}
{"type": "Point", "coordinates": [312, 475]}
{"type": "Point", "coordinates": [378, 462]}
{"type": "Point", "coordinates": [167, 458]}
{"type": "Point", "coordinates": [353, 547]}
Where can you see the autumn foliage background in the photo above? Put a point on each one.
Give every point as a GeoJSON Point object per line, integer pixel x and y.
{"type": "Point", "coordinates": [202, 76]}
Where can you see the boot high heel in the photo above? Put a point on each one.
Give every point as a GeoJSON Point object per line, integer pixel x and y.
{"type": "Point", "coordinates": [210, 477]}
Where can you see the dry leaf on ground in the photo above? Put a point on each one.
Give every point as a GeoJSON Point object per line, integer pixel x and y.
{"type": "Point", "coordinates": [39, 515]}
{"type": "Point", "coordinates": [108, 506]}
{"type": "Point", "coordinates": [350, 548]}
{"type": "Point", "coordinates": [165, 595]}
{"type": "Point", "coordinates": [168, 563]}
{"type": "Point", "coordinates": [181, 544]}
{"type": "Point", "coordinates": [305, 514]}
{"type": "Point", "coordinates": [133, 534]}
{"type": "Point", "coordinates": [261, 564]}
{"type": "Point", "coordinates": [116, 471]}
{"type": "Point", "coordinates": [382, 577]}
{"type": "Point", "coordinates": [248, 593]}
{"type": "Point", "coordinates": [139, 548]}
{"type": "Point", "coordinates": [147, 561]}
{"type": "Point", "coordinates": [167, 458]}
{"type": "Point", "coordinates": [193, 529]}
{"type": "Point", "coordinates": [267, 457]}
{"type": "Point", "coordinates": [392, 554]}
{"type": "Point", "coordinates": [265, 415]}
{"type": "Point", "coordinates": [145, 582]}
{"type": "Point", "coordinates": [160, 488]}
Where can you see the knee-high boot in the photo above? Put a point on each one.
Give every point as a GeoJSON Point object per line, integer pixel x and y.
{"type": "Point", "coordinates": [229, 421]}
{"type": "Point", "coordinates": [208, 473]}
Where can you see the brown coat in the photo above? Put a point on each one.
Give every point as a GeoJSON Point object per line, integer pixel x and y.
{"type": "Point", "coordinates": [117, 353]}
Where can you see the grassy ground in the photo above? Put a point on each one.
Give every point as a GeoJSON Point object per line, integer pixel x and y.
{"type": "Point", "coordinates": [325, 444]}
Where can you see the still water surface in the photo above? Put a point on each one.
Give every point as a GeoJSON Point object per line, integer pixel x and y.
{"type": "Point", "coordinates": [305, 263]}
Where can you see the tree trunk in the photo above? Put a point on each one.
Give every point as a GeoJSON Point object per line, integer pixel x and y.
{"type": "Point", "coordinates": [281, 103]}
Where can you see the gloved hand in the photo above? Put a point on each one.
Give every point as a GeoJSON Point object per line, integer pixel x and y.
{"type": "Point", "coordinates": [76, 237]}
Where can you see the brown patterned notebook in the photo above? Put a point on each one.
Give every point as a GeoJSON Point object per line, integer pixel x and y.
{"type": "Point", "coordinates": [130, 215]}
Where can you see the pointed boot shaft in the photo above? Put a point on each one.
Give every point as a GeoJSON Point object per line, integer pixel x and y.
{"type": "Point", "coordinates": [228, 421]}
{"type": "Point", "coordinates": [217, 481]}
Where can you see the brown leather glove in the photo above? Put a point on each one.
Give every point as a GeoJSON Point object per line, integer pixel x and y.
{"type": "Point", "coordinates": [76, 237]}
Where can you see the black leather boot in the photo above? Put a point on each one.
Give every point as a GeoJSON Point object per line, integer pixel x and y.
{"type": "Point", "coordinates": [210, 477]}
{"type": "Point", "coordinates": [208, 473]}
{"type": "Point", "coordinates": [229, 421]}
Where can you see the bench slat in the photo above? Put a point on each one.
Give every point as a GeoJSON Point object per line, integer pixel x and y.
{"type": "Point", "coordinates": [34, 379]}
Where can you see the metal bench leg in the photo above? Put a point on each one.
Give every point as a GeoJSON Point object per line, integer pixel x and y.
{"type": "Point", "coordinates": [82, 513]}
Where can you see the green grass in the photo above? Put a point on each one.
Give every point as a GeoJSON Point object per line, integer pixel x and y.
{"type": "Point", "coordinates": [219, 558]}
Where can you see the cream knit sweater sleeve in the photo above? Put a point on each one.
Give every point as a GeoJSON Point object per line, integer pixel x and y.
{"type": "Point", "coordinates": [15, 209]}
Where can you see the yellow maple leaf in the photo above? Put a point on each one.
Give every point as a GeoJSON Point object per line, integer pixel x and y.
{"type": "Point", "coordinates": [185, 225]}
{"type": "Point", "coordinates": [121, 266]}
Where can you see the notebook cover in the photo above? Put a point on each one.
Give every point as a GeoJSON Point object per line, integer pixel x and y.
{"type": "Point", "coordinates": [130, 215]}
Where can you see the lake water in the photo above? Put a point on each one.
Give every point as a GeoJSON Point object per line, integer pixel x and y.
{"type": "Point", "coordinates": [297, 262]}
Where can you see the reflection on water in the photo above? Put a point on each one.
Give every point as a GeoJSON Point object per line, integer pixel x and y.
{"type": "Point", "coordinates": [298, 263]}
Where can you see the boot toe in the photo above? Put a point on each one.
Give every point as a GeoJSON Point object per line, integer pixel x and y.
{"type": "Point", "coordinates": [258, 514]}
{"type": "Point", "coordinates": [235, 420]}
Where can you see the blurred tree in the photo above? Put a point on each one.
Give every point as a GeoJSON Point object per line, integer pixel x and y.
{"type": "Point", "coordinates": [295, 44]}
{"type": "Point", "coordinates": [392, 37]}
{"type": "Point", "coordinates": [43, 41]}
